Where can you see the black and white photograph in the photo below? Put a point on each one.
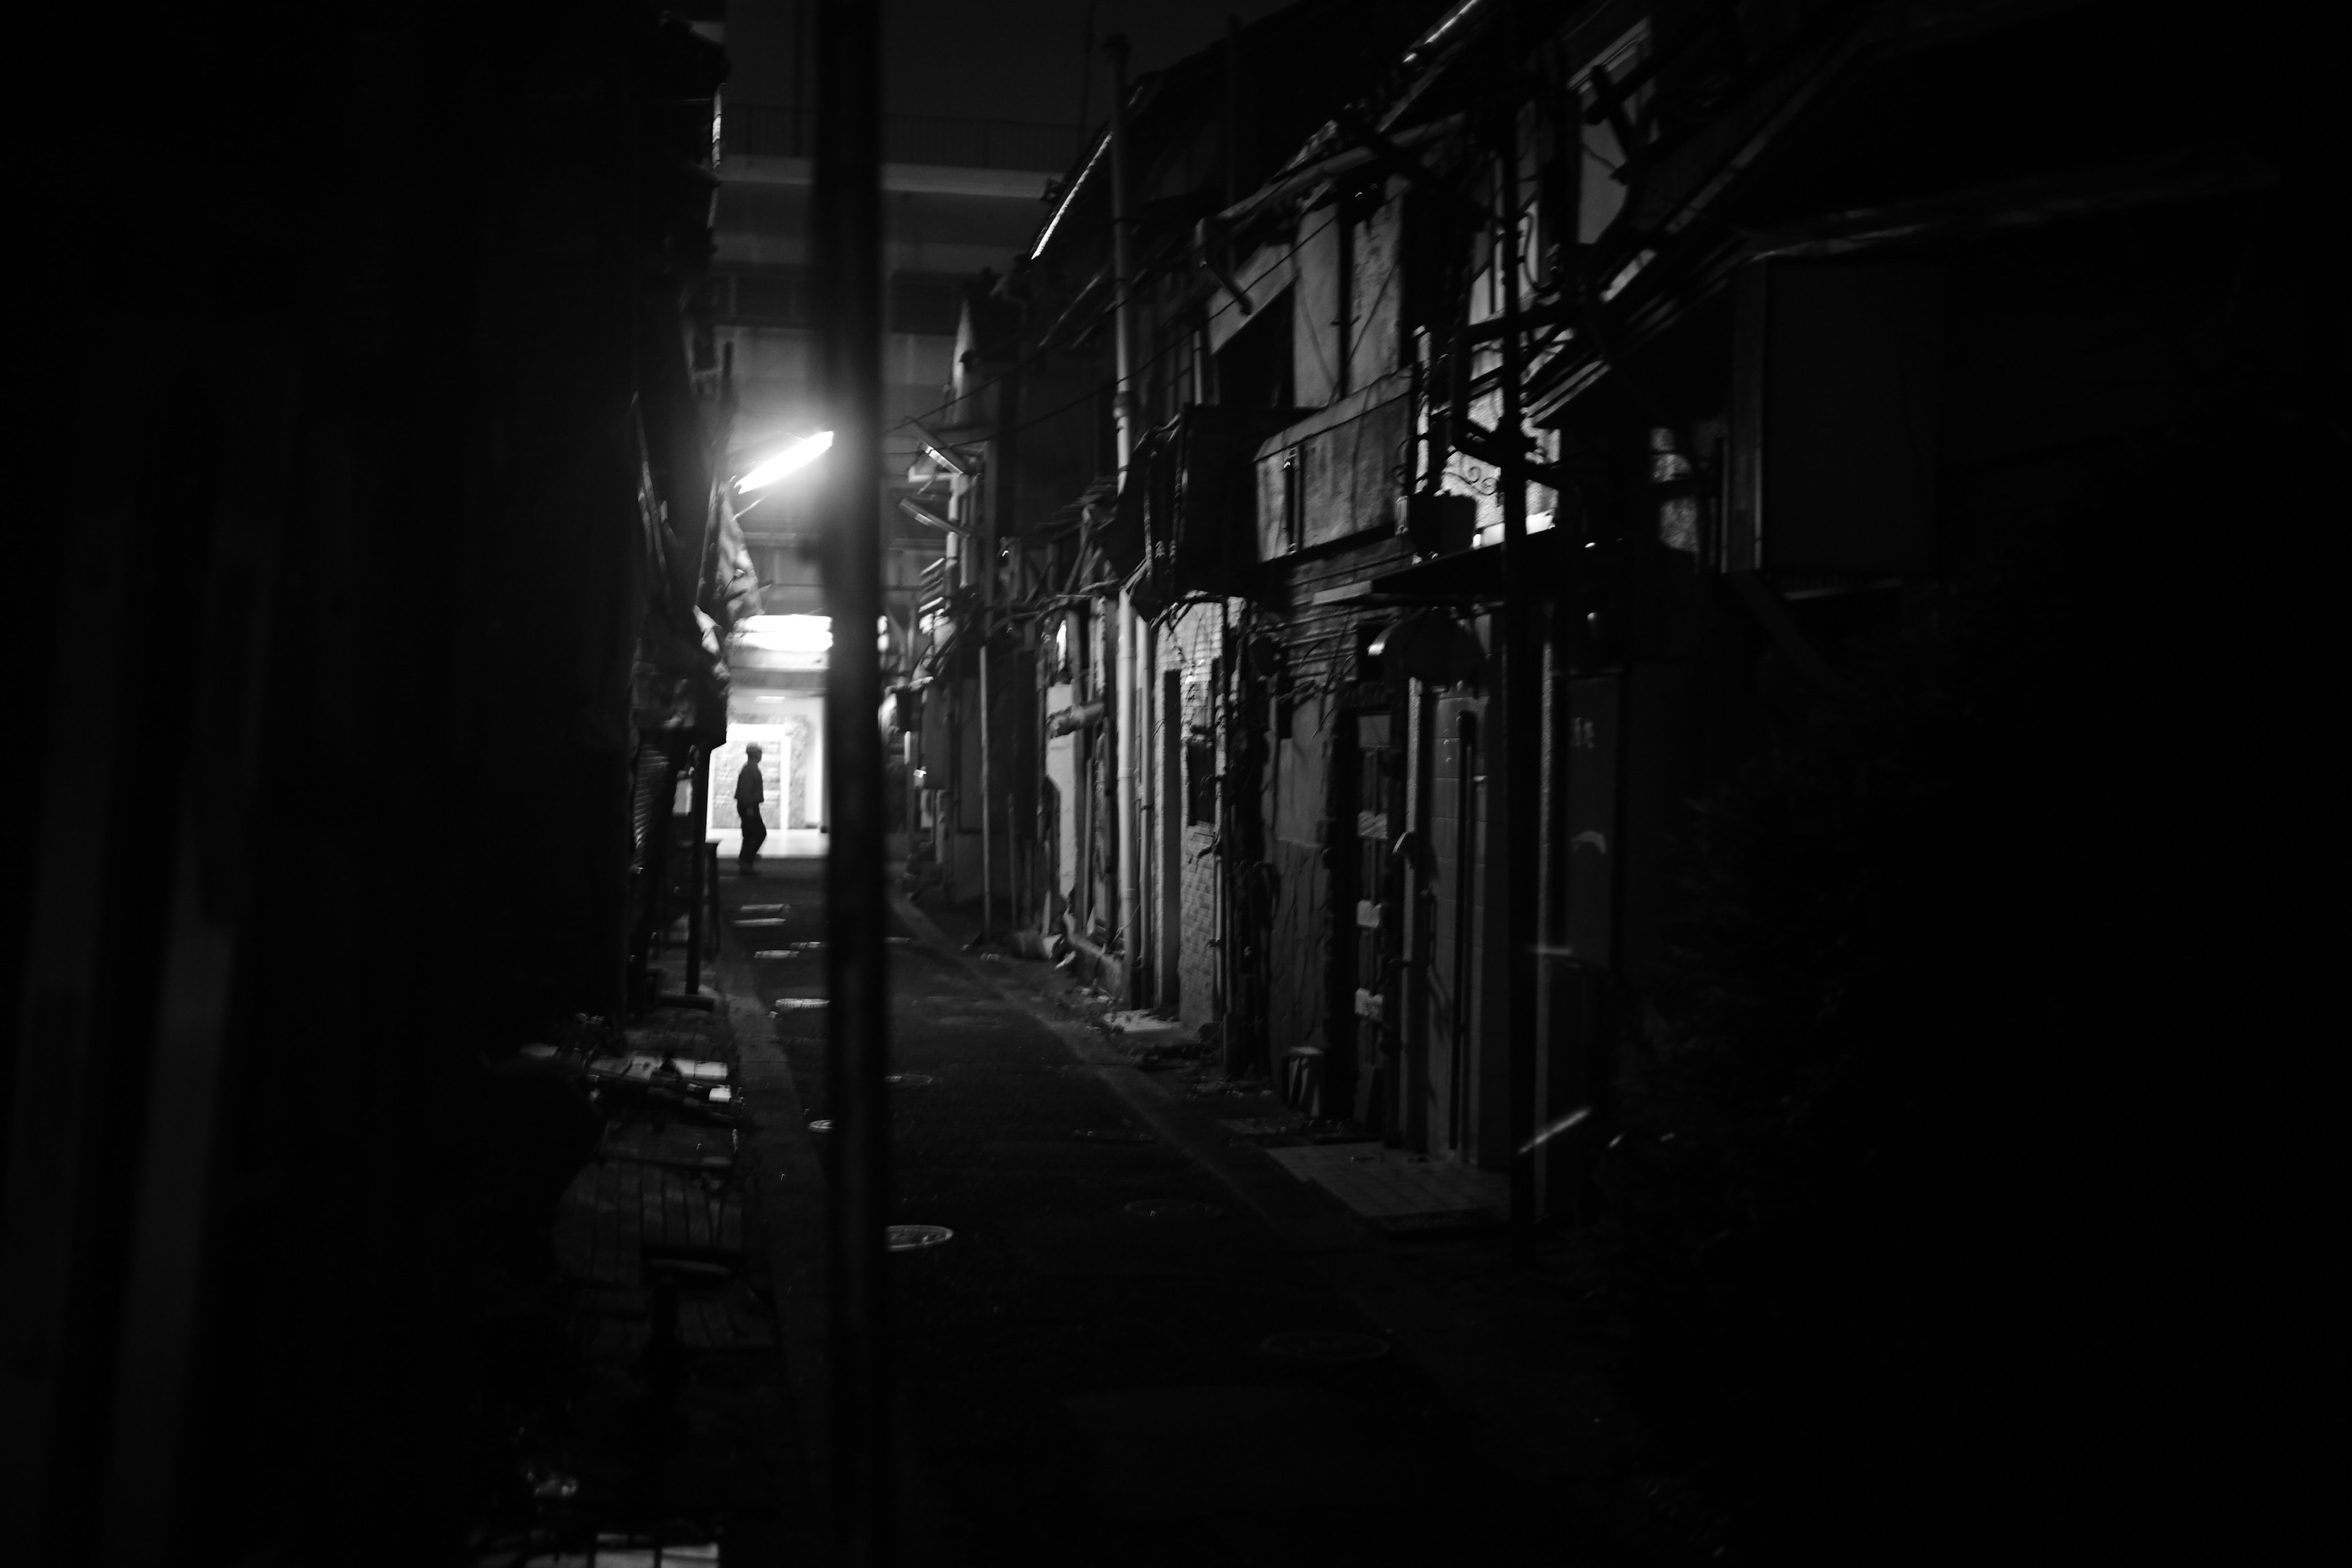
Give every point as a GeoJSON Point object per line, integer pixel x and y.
{"type": "Point", "coordinates": [1151, 783]}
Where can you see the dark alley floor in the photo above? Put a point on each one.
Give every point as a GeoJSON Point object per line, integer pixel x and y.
{"type": "Point", "coordinates": [1136, 1347]}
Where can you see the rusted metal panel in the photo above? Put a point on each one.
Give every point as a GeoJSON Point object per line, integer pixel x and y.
{"type": "Point", "coordinates": [1349, 476]}
{"type": "Point", "coordinates": [1336, 475]}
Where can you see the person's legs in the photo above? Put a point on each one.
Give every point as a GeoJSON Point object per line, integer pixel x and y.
{"type": "Point", "coordinates": [755, 832]}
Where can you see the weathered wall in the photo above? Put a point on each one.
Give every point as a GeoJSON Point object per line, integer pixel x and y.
{"type": "Point", "coordinates": [1297, 780]}
{"type": "Point", "coordinates": [1193, 646]}
{"type": "Point", "coordinates": [1319, 363]}
{"type": "Point", "coordinates": [1375, 331]}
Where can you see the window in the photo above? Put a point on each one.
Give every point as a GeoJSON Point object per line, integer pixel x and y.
{"type": "Point", "coordinates": [1201, 752]}
{"type": "Point", "coordinates": [1199, 777]}
{"type": "Point", "coordinates": [1254, 368]}
{"type": "Point", "coordinates": [1603, 152]}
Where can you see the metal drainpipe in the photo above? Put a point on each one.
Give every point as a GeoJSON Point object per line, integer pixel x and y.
{"type": "Point", "coordinates": [1520, 717]}
{"type": "Point", "coordinates": [1139, 708]}
{"type": "Point", "coordinates": [847, 212]}
{"type": "Point", "coordinates": [987, 783]}
{"type": "Point", "coordinates": [699, 756]}
{"type": "Point", "coordinates": [1122, 251]}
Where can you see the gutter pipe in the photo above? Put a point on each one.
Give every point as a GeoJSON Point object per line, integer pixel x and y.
{"type": "Point", "coordinates": [1123, 410]}
{"type": "Point", "coordinates": [847, 203]}
{"type": "Point", "coordinates": [1522, 716]}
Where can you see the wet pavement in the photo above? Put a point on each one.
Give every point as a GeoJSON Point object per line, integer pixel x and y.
{"type": "Point", "coordinates": [1147, 1341]}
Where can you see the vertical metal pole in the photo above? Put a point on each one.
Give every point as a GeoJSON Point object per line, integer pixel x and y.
{"type": "Point", "coordinates": [1122, 247]}
{"type": "Point", "coordinates": [699, 757]}
{"type": "Point", "coordinates": [1041, 900]}
{"type": "Point", "coordinates": [847, 203]}
{"type": "Point", "coordinates": [1147, 863]}
{"type": "Point", "coordinates": [910, 752]}
{"type": "Point", "coordinates": [1521, 679]}
{"type": "Point", "coordinates": [1238, 1014]}
{"type": "Point", "coordinates": [1015, 872]}
{"type": "Point", "coordinates": [1233, 110]}
{"type": "Point", "coordinates": [987, 793]}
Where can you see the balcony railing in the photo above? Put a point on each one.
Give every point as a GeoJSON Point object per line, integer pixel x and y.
{"type": "Point", "coordinates": [783, 130]}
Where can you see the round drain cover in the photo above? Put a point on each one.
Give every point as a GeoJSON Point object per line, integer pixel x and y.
{"type": "Point", "coordinates": [908, 1079]}
{"type": "Point", "coordinates": [1172, 1208]}
{"type": "Point", "coordinates": [822, 1125]}
{"type": "Point", "coordinates": [1325, 1344]}
{"type": "Point", "coordinates": [1113, 1135]}
{"type": "Point", "coordinates": [915, 1238]}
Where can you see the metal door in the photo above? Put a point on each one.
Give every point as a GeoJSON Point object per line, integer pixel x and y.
{"type": "Point", "coordinates": [1455, 818]}
{"type": "Point", "coordinates": [1365, 906]}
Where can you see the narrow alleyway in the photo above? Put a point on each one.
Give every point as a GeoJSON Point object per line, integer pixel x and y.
{"type": "Point", "coordinates": [1136, 1346]}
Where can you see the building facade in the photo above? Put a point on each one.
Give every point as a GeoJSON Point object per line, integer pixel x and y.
{"type": "Point", "coordinates": [1500, 455]}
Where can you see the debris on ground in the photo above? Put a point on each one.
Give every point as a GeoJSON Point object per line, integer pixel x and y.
{"type": "Point", "coordinates": [1232, 1088]}
{"type": "Point", "coordinates": [1262, 1126]}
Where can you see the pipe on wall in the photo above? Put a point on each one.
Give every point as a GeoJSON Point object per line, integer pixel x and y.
{"type": "Point", "coordinates": [1123, 410]}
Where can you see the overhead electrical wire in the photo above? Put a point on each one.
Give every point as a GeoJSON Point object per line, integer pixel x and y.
{"type": "Point", "coordinates": [1036, 356]}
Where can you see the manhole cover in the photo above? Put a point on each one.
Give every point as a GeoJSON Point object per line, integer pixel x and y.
{"type": "Point", "coordinates": [1172, 1208]}
{"type": "Point", "coordinates": [908, 1079]}
{"type": "Point", "coordinates": [822, 1125]}
{"type": "Point", "coordinates": [1114, 1135]}
{"type": "Point", "coordinates": [1325, 1344]}
{"type": "Point", "coordinates": [915, 1238]}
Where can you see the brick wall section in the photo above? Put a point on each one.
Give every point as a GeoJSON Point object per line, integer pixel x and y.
{"type": "Point", "coordinates": [1320, 638]}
